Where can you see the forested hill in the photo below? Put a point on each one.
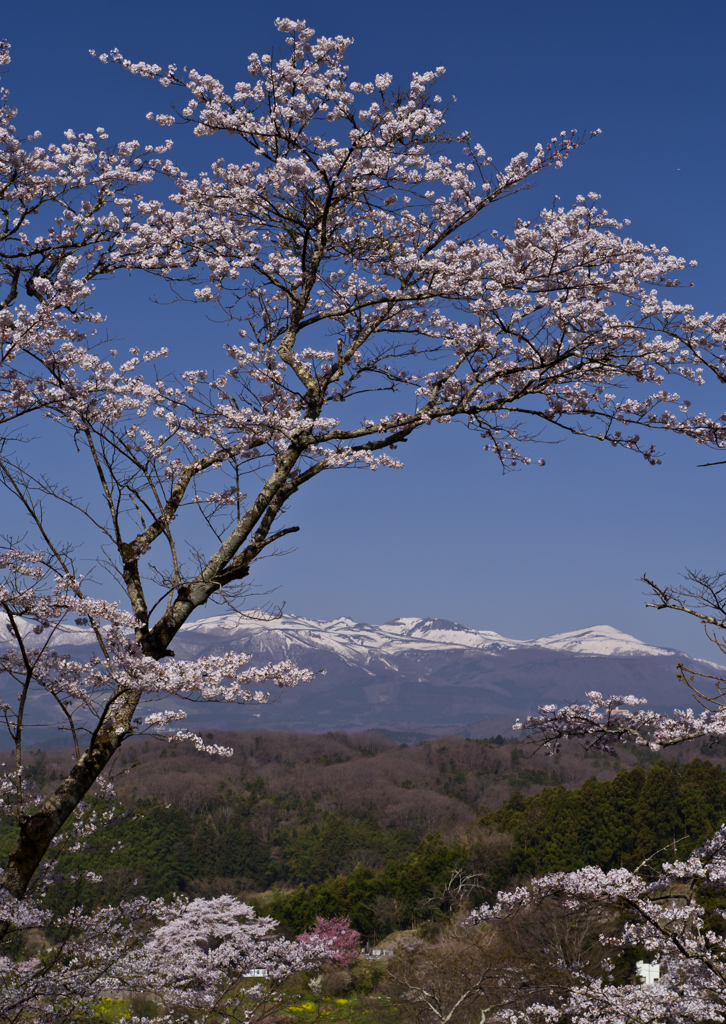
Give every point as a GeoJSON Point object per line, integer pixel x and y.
{"type": "Point", "coordinates": [424, 788]}
{"type": "Point", "coordinates": [621, 822]}
{"type": "Point", "coordinates": [353, 823]}
{"type": "Point", "coordinates": [661, 814]}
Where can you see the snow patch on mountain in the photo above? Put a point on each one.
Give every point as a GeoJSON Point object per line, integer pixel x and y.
{"type": "Point", "coordinates": [64, 635]}
{"type": "Point", "coordinates": [443, 631]}
{"type": "Point", "coordinates": [601, 640]}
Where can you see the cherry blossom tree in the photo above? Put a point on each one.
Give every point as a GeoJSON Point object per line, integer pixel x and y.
{"type": "Point", "coordinates": [664, 915]}
{"type": "Point", "coordinates": [604, 722]}
{"type": "Point", "coordinates": [673, 913]}
{"type": "Point", "coordinates": [337, 936]}
{"type": "Point", "coordinates": [342, 248]}
{"type": "Point", "coordinates": [193, 958]}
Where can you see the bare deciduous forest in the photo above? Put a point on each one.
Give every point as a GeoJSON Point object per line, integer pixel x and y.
{"type": "Point", "coordinates": [430, 786]}
{"type": "Point", "coordinates": [426, 787]}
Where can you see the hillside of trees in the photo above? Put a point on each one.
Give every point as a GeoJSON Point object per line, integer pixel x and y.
{"type": "Point", "coordinates": [357, 825]}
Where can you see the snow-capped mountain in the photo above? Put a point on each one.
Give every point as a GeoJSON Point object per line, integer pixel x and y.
{"type": "Point", "coordinates": [602, 641]}
{"type": "Point", "coordinates": [428, 675]}
{"type": "Point", "coordinates": [354, 641]}
{"type": "Point", "coordinates": [432, 674]}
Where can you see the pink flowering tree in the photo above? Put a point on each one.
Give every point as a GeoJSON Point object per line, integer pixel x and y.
{"type": "Point", "coordinates": [336, 936]}
{"type": "Point", "coordinates": [343, 244]}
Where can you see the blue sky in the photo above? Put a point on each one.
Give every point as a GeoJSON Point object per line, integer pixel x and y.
{"type": "Point", "coordinates": [534, 552]}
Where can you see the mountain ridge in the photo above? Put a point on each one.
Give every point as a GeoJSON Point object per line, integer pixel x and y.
{"type": "Point", "coordinates": [417, 675]}
{"type": "Point", "coordinates": [599, 640]}
{"type": "Point", "coordinates": [430, 674]}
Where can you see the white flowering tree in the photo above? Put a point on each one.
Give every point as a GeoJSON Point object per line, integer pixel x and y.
{"type": "Point", "coordinates": [673, 913]}
{"type": "Point", "coordinates": [604, 722]}
{"type": "Point", "coordinates": [674, 920]}
{"type": "Point", "coordinates": [196, 959]}
{"type": "Point", "coordinates": [343, 248]}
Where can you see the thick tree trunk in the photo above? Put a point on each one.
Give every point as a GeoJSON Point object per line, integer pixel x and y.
{"type": "Point", "coordinates": [38, 830]}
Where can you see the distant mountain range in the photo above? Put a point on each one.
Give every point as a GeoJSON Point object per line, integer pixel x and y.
{"type": "Point", "coordinates": [415, 677]}
{"type": "Point", "coordinates": [422, 676]}
{"type": "Point", "coordinates": [434, 676]}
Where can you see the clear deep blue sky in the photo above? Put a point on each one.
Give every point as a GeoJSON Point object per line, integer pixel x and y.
{"type": "Point", "coordinates": [531, 553]}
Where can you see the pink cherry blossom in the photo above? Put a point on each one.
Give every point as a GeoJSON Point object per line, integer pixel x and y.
{"type": "Point", "coordinates": [336, 935]}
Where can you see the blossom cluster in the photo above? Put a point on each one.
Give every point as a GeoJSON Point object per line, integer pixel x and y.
{"type": "Point", "coordinates": [336, 935]}
{"type": "Point", "coordinates": [606, 721]}
{"type": "Point", "coordinates": [191, 956]}
{"type": "Point", "coordinates": [664, 917]}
